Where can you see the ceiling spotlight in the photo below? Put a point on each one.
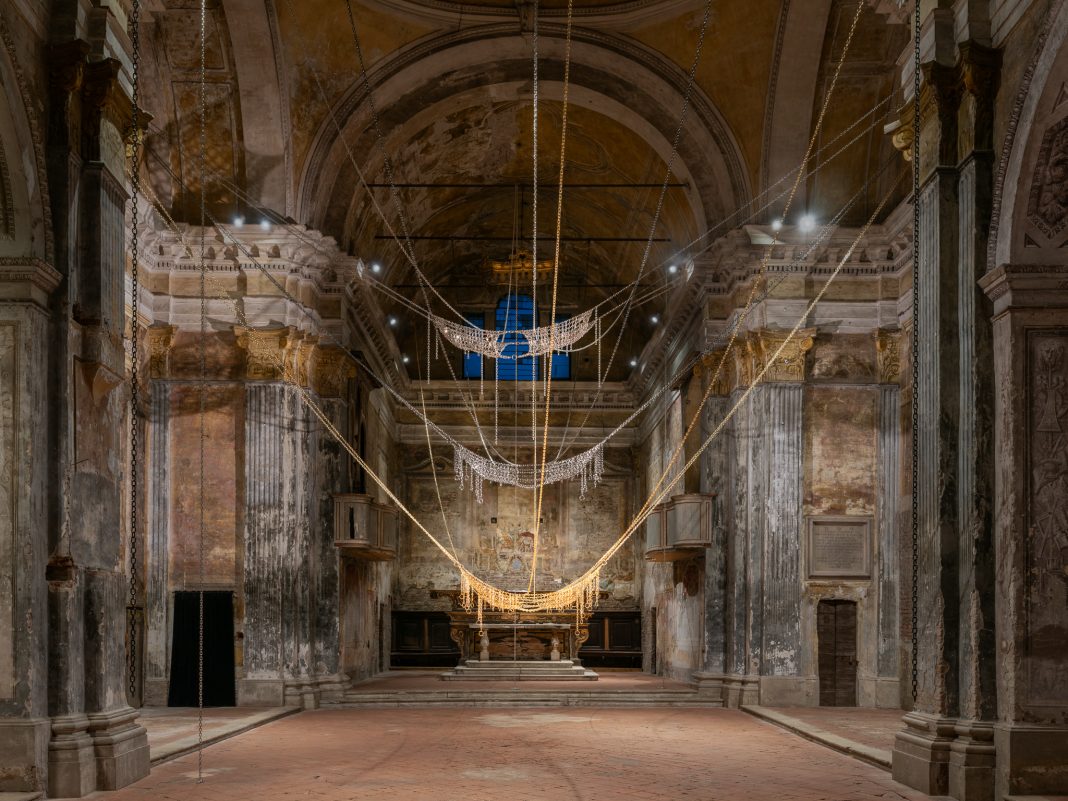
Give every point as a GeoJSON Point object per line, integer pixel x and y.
{"type": "Point", "coordinates": [654, 319]}
{"type": "Point", "coordinates": [405, 359]}
{"type": "Point", "coordinates": [776, 225]}
{"type": "Point", "coordinates": [633, 362]}
{"type": "Point", "coordinates": [239, 221]}
{"type": "Point", "coordinates": [393, 321]}
{"type": "Point", "coordinates": [674, 268]}
{"type": "Point", "coordinates": [808, 223]}
{"type": "Point", "coordinates": [376, 267]}
{"type": "Point", "coordinates": [265, 224]}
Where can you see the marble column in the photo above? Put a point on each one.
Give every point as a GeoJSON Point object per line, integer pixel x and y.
{"type": "Point", "coordinates": [157, 595]}
{"type": "Point", "coordinates": [1030, 509]}
{"type": "Point", "coordinates": [266, 545]}
{"type": "Point", "coordinates": [785, 678]}
{"type": "Point", "coordinates": [888, 657]}
{"type": "Point", "coordinates": [714, 480]}
{"type": "Point", "coordinates": [921, 753]}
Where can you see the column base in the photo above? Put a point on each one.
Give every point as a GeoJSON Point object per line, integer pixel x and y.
{"type": "Point", "coordinates": [1032, 760]}
{"type": "Point", "coordinates": [710, 685]}
{"type": "Point", "coordinates": [304, 693]}
{"type": "Point", "coordinates": [71, 761]}
{"type": "Point", "coordinates": [120, 745]}
{"type": "Point", "coordinates": [23, 754]}
{"type": "Point", "coordinates": [156, 692]}
{"type": "Point", "coordinates": [971, 761]}
{"type": "Point", "coordinates": [740, 691]}
{"type": "Point", "coordinates": [921, 753]}
{"type": "Point", "coordinates": [260, 692]}
{"type": "Point", "coordinates": [789, 691]}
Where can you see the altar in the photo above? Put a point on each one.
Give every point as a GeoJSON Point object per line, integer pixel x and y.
{"type": "Point", "coordinates": [528, 648]}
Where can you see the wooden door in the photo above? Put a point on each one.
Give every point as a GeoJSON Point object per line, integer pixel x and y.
{"type": "Point", "coordinates": [836, 633]}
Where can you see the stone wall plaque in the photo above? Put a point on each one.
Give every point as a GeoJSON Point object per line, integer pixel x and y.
{"type": "Point", "coordinates": [839, 546]}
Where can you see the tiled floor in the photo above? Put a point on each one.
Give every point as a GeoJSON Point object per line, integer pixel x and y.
{"type": "Point", "coordinates": [518, 755]}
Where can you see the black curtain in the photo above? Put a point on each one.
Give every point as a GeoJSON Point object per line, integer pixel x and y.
{"type": "Point", "coordinates": [218, 649]}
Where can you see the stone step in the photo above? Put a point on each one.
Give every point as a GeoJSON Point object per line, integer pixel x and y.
{"type": "Point", "coordinates": [528, 698]}
{"type": "Point", "coordinates": [517, 675]}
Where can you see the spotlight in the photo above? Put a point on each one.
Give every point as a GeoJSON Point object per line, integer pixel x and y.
{"type": "Point", "coordinates": [376, 268]}
{"type": "Point", "coordinates": [776, 225]}
{"type": "Point", "coordinates": [633, 362]}
{"type": "Point", "coordinates": [654, 319]}
{"type": "Point", "coordinates": [405, 359]}
{"type": "Point", "coordinates": [265, 224]}
{"type": "Point", "coordinates": [674, 268]}
{"type": "Point", "coordinates": [239, 221]}
{"type": "Point", "coordinates": [393, 321]}
{"type": "Point", "coordinates": [808, 223]}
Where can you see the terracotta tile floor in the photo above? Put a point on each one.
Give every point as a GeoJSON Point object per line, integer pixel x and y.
{"type": "Point", "coordinates": [518, 755]}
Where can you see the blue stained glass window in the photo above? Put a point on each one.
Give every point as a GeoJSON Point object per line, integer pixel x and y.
{"type": "Point", "coordinates": [472, 361]}
{"type": "Point", "coordinates": [514, 313]}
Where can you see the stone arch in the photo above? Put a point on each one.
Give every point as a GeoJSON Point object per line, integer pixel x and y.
{"type": "Point", "coordinates": [1031, 183]}
{"type": "Point", "coordinates": [611, 74]}
{"type": "Point", "coordinates": [25, 214]}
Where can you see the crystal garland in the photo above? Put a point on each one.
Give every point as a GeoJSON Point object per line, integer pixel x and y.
{"type": "Point", "coordinates": [472, 470]}
{"type": "Point", "coordinates": [495, 344]}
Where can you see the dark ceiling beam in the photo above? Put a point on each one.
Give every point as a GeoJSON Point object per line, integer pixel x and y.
{"type": "Point", "coordinates": [443, 238]}
{"type": "Point", "coordinates": [527, 185]}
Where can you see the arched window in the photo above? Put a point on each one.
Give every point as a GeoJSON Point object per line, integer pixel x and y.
{"type": "Point", "coordinates": [514, 313]}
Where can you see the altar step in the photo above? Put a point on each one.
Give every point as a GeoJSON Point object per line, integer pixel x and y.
{"type": "Point", "coordinates": [568, 696]}
{"type": "Point", "coordinates": [508, 670]}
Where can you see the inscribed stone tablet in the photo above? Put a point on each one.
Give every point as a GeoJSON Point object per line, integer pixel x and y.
{"type": "Point", "coordinates": [839, 547]}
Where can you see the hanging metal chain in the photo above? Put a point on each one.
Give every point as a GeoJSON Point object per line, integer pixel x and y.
{"type": "Point", "coordinates": [915, 342]}
{"type": "Point", "coordinates": [202, 358]}
{"type": "Point", "coordinates": [134, 605]}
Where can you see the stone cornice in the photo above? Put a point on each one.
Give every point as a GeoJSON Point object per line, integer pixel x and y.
{"type": "Point", "coordinates": [1027, 286]}
{"type": "Point", "coordinates": [570, 395]}
{"type": "Point", "coordinates": [27, 279]}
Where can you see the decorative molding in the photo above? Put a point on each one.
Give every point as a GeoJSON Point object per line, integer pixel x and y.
{"type": "Point", "coordinates": [1047, 205]}
{"type": "Point", "coordinates": [159, 339]}
{"type": "Point", "coordinates": [706, 367]}
{"type": "Point", "coordinates": [790, 364]}
{"type": "Point", "coordinates": [266, 351]}
{"type": "Point", "coordinates": [332, 367]}
{"type": "Point", "coordinates": [888, 356]}
{"type": "Point", "coordinates": [29, 99]}
{"type": "Point", "coordinates": [27, 279]}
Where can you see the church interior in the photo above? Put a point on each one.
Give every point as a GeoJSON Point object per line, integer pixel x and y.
{"type": "Point", "coordinates": [534, 399]}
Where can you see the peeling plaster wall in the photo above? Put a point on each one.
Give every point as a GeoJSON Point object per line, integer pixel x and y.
{"type": "Point", "coordinates": [495, 537]}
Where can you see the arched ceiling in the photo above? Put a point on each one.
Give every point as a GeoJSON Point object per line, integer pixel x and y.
{"type": "Point", "coordinates": [290, 121]}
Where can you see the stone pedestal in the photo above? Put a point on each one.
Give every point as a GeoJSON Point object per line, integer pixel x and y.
{"type": "Point", "coordinates": [921, 752]}
{"type": "Point", "coordinates": [120, 747]}
{"type": "Point", "coordinates": [71, 760]}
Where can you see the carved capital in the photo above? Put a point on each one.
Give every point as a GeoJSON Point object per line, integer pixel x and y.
{"type": "Point", "coordinates": [332, 368]}
{"type": "Point", "coordinates": [888, 356]}
{"type": "Point", "coordinates": [265, 351]}
{"type": "Point", "coordinates": [159, 339]}
{"type": "Point", "coordinates": [789, 364]}
{"type": "Point", "coordinates": [713, 367]}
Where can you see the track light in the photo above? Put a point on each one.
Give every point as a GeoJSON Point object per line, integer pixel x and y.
{"type": "Point", "coordinates": [674, 268]}
{"type": "Point", "coordinates": [239, 221]}
{"type": "Point", "coordinates": [808, 223]}
{"type": "Point", "coordinates": [654, 319]}
{"type": "Point", "coordinates": [633, 362]}
{"type": "Point", "coordinates": [405, 359]}
{"type": "Point", "coordinates": [776, 225]}
{"type": "Point", "coordinates": [376, 268]}
{"type": "Point", "coordinates": [393, 322]}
